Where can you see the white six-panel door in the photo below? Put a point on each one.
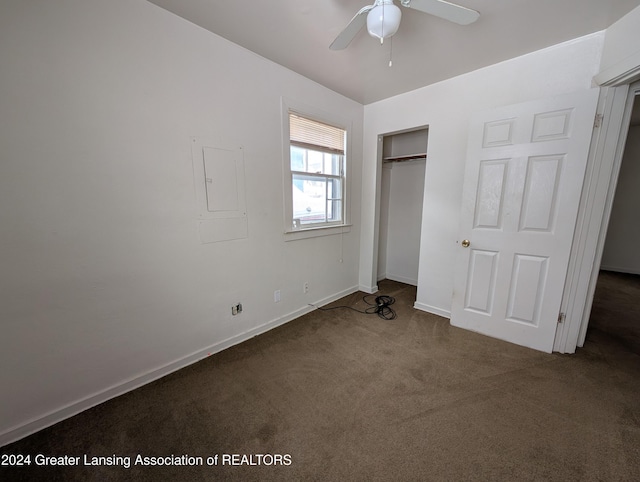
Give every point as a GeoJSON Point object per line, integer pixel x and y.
{"type": "Point", "coordinates": [523, 180]}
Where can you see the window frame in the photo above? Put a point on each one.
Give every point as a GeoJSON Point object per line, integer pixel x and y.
{"type": "Point", "coordinates": [324, 178]}
{"type": "Point", "coordinates": [291, 231]}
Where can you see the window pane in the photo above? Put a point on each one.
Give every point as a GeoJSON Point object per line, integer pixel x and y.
{"type": "Point", "coordinates": [315, 162]}
{"type": "Point", "coordinates": [334, 200]}
{"type": "Point", "coordinates": [297, 158]}
{"type": "Point", "coordinates": [334, 189]}
{"type": "Point", "coordinates": [309, 199]}
{"type": "Point", "coordinates": [333, 164]}
{"type": "Point", "coordinates": [334, 211]}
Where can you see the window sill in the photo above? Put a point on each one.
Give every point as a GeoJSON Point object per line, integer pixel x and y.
{"type": "Point", "coordinates": [316, 231]}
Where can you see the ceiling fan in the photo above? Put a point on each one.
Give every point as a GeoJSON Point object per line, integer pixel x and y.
{"type": "Point", "coordinates": [383, 18]}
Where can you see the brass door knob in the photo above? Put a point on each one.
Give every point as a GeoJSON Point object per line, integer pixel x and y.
{"type": "Point", "coordinates": [466, 243]}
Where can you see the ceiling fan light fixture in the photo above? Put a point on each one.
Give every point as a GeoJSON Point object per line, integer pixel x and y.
{"type": "Point", "coordinates": [383, 20]}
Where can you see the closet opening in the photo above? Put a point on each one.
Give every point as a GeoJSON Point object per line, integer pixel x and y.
{"type": "Point", "coordinates": [401, 195]}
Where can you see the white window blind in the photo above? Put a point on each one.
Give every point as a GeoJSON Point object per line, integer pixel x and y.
{"type": "Point", "coordinates": [311, 134]}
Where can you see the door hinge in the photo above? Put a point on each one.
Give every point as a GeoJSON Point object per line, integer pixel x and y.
{"type": "Point", "coordinates": [598, 120]}
{"type": "Point", "coordinates": [561, 317]}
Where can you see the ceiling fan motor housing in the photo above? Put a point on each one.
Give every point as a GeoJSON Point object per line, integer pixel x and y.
{"type": "Point", "coordinates": [384, 19]}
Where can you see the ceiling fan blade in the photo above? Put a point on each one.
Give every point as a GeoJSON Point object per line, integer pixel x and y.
{"type": "Point", "coordinates": [448, 11]}
{"type": "Point", "coordinates": [351, 30]}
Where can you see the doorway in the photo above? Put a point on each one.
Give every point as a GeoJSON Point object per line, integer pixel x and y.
{"type": "Point", "coordinates": [615, 314]}
{"type": "Point", "coordinates": [401, 197]}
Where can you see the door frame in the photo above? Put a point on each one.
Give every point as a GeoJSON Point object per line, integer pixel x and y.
{"type": "Point", "coordinates": [603, 168]}
{"type": "Point", "coordinates": [373, 288]}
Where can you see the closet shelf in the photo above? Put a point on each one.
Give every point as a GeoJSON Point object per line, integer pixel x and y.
{"type": "Point", "coordinates": [407, 157]}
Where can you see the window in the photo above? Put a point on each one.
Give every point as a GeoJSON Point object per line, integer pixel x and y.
{"type": "Point", "coordinates": [317, 168]}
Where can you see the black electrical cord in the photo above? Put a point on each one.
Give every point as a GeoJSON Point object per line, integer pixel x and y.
{"type": "Point", "coordinates": [380, 307]}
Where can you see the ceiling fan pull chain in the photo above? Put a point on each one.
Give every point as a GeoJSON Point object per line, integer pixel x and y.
{"type": "Point", "coordinates": [382, 27]}
{"type": "Point", "coordinates": [391, 52]}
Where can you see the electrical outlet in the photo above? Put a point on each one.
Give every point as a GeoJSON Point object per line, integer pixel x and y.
{"type": "Point", "coordinates": [276, 296]}
{"type": "Point", "coordinates": [305, 287]}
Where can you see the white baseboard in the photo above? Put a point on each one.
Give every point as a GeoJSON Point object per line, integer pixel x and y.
{"type": "Point", "coordinates": [432, 309]}
{"type": "Point", "coordinates": [402, 279]}
{"type": "Point", "coordinates": [62, 413]}
{"type": "Point", "coordinates": [326, 301]}
{"type": "Point", "coordinates": [368, 289]}
{"type": "Point", "coordinates": [618, 270]}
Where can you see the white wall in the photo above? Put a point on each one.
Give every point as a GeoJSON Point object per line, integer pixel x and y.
{"type": "Point", "coordinates": [620, 250]}
{"type": "Point", "coordinates": [446, 108]}
{"type": "Point", "coordinates": [104, 283]}
{"type": "Point", "coordinates": [621, 49]}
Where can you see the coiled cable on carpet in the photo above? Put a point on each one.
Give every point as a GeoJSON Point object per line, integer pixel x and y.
{"type": "Point", "coordinates": [380, 307]}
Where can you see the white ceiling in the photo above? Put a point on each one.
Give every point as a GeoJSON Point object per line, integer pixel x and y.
{"type": "Point", "coordinates": [426, 49]}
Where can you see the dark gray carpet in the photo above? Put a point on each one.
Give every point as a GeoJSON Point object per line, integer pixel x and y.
{"type": "Point", "coordinates": [354, 397]}
{"type": "Point", "coordinates": [616, 309]}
